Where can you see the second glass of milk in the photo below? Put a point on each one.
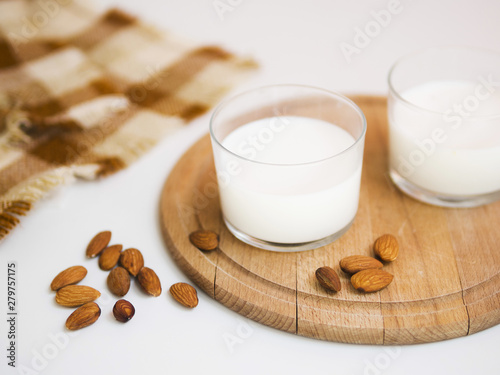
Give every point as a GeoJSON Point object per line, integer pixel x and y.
{"type": "Point", "coordinates": [444, 126]}
{"type": "Point", "coordinates": [288, 161]}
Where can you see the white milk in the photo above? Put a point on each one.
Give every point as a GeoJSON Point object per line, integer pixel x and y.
{"type": "Point", "coordinates": [274, 199]}
{"type": "Point", "coordinates": [448, 151]}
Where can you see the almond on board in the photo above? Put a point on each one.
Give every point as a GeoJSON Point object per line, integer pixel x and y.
{"type": "Point", "coordinates": [386, 247]}
{"type": "Point", "coordinates": [355, 263]}
{"type": "Point", "coordinates": [371, 280]}
{"type": "Point", "coordinates": [328, 279]}
{"type": "Point", "coordinates": [206, 240]}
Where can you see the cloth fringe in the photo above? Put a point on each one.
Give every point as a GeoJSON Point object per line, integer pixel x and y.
{"type": "Point", "coordinates": [90, 93]}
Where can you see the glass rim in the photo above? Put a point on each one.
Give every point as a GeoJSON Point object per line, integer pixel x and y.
{"type": "Point", "coordinates": [422, 51]}
{"type": "Point", "coordinates": [330, 93]}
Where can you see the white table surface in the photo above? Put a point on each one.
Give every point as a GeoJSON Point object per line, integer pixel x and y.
{"type": "Point", "coordinates": [295, 42]}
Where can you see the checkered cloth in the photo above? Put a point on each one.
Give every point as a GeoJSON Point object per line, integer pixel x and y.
{"type": "Point", "coordinates": [84, 93]}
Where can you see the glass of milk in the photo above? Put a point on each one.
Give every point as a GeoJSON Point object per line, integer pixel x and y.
{"type": "Point", "coordinates": [444, 126]}
{"type": "Point", "coordinates": [288, 161]}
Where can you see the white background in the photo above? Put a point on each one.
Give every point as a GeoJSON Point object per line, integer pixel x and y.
{"type": "Point", "coordinates": [294, 42]}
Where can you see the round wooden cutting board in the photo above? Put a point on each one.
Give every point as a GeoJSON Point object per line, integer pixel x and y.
{"type": "Point", "coordinates": [446, 278]}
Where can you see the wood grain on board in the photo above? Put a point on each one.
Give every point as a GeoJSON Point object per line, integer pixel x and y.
{"type": "Point", "coordinates": [447, 276]}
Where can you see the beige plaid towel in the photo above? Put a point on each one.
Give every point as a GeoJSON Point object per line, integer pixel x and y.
{"type": "Point", "coordinates": [83, 94]}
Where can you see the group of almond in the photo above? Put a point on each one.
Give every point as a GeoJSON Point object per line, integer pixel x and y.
{"type": "Point", "coordinates": [122, 265]}
{"type": "Point", "coordinates": [366, 273]}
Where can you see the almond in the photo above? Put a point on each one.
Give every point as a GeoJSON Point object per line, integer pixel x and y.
{"type": "Point", "coordinates": [355, 263]}
{"type": "Point", "coordinates": [109, 257]}
{"type": "Point", "coordinates": [119, 281]}
{"type": "Point", "coordinates": [371, 280]}
{"type": "Point", "coordinates": [98, 243]}
{"type": "Point", "coordinates": [123, 311]}
{"type": "Point", "coordinates": [328, 278]}
{"type": "Point", "coordinates": [69, 276]}
{"type": "Point", "coordinates": [185, 294]}
{"type": "Point", "coordinates": [132, 260]}
{"type": "Point", "coordinates": [76, 295]}
{"type": "Point", "coordinates": [386, 247]}
{"type": "Point", "coordinates": [149, 281]}
{"type": "Point", "coordinates": [204, 240]}
{"type": "Point", "coordinates": [83, 316]}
